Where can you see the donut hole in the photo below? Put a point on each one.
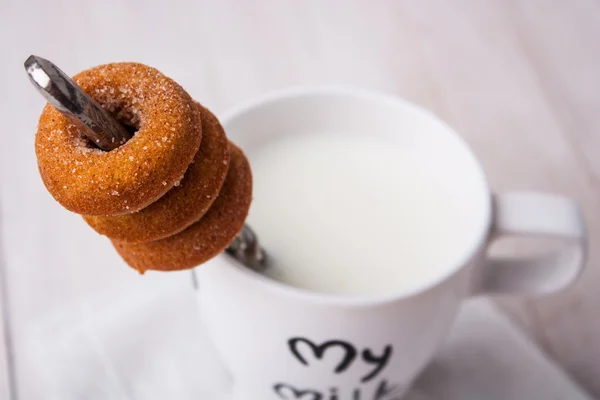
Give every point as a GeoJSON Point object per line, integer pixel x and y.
{"type": "Point", "coordinates": [128, 117]}
{"type": "Point", "coordinates": [125, 118]}
{"type": "Point", "coordinates": [132, 129]}
{"type": "Point", "coordinates": [126, 114]}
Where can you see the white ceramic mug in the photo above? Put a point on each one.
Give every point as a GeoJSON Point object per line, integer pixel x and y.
{"type": "Point", "coordinates": [284, 343]}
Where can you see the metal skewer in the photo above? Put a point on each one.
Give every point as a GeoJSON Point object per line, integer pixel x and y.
{"type": "Point", "coordinates": [79, 108]}
{"type": "Point", "coordinates": [108, 134]}
{"type": "Point", "coordinates": [246, 249]}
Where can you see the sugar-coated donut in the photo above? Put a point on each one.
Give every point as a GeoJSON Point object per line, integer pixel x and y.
{"type": "Point", "coordinates": [183, 205]}
{"type": "Point", "coordinates": [90, 181]}
{"type": "Point", "coordinates": [207, 237]}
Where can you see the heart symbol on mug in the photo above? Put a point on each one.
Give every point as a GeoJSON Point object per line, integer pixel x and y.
{"type": "Point", "coordinates": [288, 392]}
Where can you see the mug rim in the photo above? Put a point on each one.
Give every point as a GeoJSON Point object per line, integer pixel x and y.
{"type": "Point", "coordinates": [470, 250]}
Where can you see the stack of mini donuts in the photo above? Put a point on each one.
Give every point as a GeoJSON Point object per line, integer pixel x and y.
{"type": "Point", "coordinates": [173, 196]}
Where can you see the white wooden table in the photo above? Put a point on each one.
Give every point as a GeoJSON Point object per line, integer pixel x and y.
{"type": "Point", "coordinates": [519, 79]}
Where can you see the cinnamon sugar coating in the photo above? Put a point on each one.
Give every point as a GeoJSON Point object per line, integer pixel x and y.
{"type": "Point", "coordinates": [183, 205]}
{"type": "Point", "coordinates": [207, 237]}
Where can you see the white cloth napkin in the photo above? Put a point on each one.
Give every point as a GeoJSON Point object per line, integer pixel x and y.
{"type": "Point", "coordinates": [148, 344]}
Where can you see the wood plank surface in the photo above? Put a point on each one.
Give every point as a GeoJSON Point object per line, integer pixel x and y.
{"type": "Point", "coordinates": [6, 375]}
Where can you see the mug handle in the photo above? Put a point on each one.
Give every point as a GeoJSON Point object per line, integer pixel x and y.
{"type": "Point", "coordinates": [536, 215]}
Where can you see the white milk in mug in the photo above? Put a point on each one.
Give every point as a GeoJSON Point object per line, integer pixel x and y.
{"type": "Point", "coordinates": [351, 215]}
